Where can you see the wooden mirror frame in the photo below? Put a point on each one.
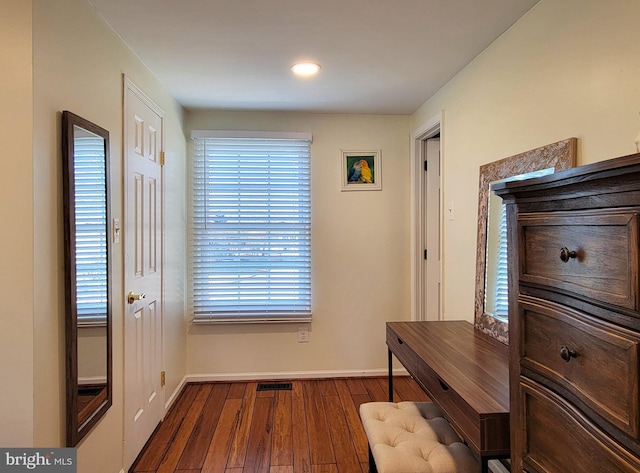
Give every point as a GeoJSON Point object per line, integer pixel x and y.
{"type": "Point", "coordinates": [560, 156]}
{"type": "Point", "coordinates": [82, 418]}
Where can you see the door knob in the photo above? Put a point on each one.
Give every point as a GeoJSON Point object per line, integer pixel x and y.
{"type": "Point", "coordinates": [131, 297]}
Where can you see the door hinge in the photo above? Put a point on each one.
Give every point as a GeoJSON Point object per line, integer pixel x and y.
{"type": "Point", "coordinates": [425, 254]}
{"type": "Point", "coordinates": [161, 158]}
{"type": "Point", "coordinates": [425, 166]}
{"type": "Point", "coordinates": [163, 378]}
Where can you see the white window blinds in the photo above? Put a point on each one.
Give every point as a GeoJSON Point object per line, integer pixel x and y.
{"type": "Point", "coordinates": [502, 271]}
{"type": "Point", "coordinates": [91, 229]}
{"type": "Point", "coordinates": [497, 293]}
{"type": "Point", "coordinates": [250, 239]}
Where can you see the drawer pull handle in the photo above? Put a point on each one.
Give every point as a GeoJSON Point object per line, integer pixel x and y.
{"type": "Point", "coordinates": [400, 341]}
{"type": "Point", "coordinates": [566, 354]}
{"type": "Point", "coordinates": [565, 254]}
{"type": "Point", "coordinates": [443, 386]}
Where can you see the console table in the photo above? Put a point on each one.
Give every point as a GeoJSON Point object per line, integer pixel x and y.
{"type": "Point", "coordinates": [465, 373]}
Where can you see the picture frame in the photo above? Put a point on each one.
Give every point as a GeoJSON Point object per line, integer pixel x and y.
{"type": "Point", "coordinates": [361, 170]}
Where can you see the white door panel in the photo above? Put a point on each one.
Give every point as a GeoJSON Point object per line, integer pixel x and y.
{"type": "Point", "coordinates": [143, 396]}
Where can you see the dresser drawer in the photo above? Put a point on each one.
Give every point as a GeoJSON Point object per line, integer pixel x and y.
{"type": "Point", "coordinates": [457, 411]}
{"type": "Point", "coordinates": [601, 254]}
{"type": "Point", "coordinates": [558, 438]}
{"type": "Point", "coordinates": [602, 366]}
{"type": "Point", "coordinates": [403, 353]}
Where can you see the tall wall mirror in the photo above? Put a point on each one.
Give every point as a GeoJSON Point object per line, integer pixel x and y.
{"type": "Point", "coordinates": [492, 257]}
{"type": "Point", "coordinates": [86, 212]}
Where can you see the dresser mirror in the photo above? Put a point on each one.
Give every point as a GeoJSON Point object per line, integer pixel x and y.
{"type": "Point", "coordinates": [491, 304]}
{"type": "Point", "coordinates": [86, 212]}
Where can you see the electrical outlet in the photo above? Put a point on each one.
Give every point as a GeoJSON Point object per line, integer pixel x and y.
{"type": "Point", "coordinates": [303, 334]}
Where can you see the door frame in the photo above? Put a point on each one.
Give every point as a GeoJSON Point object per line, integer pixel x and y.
{"type": "Point", "coordinates": [428, 129]}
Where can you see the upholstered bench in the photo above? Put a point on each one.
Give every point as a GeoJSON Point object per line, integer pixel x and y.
{"type": "Point", "coordinates": [413, 437]}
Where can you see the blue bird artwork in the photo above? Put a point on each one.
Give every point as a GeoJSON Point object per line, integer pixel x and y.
{"type": "Point", "coordinates": [360, 172]}
{"type": "Point", "coordinates": [355, 172]}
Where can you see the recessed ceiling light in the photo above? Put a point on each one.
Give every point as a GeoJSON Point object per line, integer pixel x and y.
{"type": "Point", "coordinates": [305, 69]}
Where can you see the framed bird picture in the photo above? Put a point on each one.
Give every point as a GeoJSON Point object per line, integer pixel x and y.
{"type": "Point", "coordinates": [361, 170]}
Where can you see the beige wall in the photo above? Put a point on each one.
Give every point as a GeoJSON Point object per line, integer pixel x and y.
{"type": "Point", "coordinates": [16, 237]}
{"type": "Point", "coordinates": [568, 68]}
{"type": "Point", "coordinates": [78, 63]}
{"type": "Point", "coordinates": [360, 255]}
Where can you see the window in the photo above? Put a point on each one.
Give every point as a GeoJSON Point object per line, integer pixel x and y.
{"type": "Point", "coordinates": [250, 227]}
{"type": "Point", "coordinates": [91, 229]}
{"type": "Point", "coordinates": [497, 278]}
{"type": "Point", "coordinates": [500, 297]}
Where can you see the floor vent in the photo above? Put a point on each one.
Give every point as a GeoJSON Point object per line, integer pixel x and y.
{"type": "Point", "coordinates": [274, 387]}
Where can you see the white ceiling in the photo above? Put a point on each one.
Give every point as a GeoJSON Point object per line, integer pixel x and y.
{"type": "Point", "coordinates": [377, 56]}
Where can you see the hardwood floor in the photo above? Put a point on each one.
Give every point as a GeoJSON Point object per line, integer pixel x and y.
{"type": "Point", "coordinates": [233, 428]}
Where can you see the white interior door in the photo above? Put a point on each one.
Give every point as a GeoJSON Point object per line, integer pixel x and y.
{"type": "Point", "coordinates": [143, 396]}
{"type": "Point", "coordinates": [432, 230]}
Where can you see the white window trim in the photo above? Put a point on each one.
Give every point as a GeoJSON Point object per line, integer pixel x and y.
{"type": "Point", "coordinates": [275, 135]}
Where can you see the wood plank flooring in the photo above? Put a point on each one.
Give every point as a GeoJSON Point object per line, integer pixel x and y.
{"type": "Point", "coordinates": [233, 428]}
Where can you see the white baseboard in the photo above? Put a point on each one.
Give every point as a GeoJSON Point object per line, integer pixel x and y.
{"type": "Point", "coordinates": [320, 374]}
{"type": "Point", "coordinates": [174, 395]}
{"type": "Point", "coordinates": [92, 380]}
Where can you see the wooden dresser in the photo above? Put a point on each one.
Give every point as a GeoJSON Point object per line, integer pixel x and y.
{"type": "Point", "coordinates": [574, 319]}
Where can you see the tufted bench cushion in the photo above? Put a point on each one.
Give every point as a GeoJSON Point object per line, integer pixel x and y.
{"type": "Point", "coordinates": [414, 437]}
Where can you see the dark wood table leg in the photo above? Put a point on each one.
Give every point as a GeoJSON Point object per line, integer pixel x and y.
{"type": "Point", "coordinates": [484, 464]}
{"type": "Point", "coordinates": [390, 376]}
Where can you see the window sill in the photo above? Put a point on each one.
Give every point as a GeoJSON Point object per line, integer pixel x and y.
{"type": "Point", "coordinates": [251, 320]}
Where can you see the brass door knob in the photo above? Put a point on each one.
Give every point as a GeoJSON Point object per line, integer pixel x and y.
{"type": "Point", "coordinates": [131, 297]}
